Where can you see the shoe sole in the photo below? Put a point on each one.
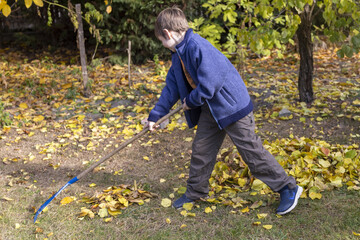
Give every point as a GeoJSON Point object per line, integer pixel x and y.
{"type": "Point", "coordinates": [297, 196]}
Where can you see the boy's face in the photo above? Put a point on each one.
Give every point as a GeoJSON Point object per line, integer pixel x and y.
{"type": "Point", "coordinates": [171, 39]}
{"type": "Point", "coordinates": [168, 42]}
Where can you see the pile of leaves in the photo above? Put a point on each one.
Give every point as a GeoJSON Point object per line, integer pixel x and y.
{"type": "Point", "coordinates": [111, 201]}
{"type": "Point", "coordinates": [315, 164]}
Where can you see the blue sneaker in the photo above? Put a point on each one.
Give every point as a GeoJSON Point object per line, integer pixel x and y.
{"type": "Point", "coordinates": [181, 201]}
{"type": "Point", "coordinates": [288, 199]}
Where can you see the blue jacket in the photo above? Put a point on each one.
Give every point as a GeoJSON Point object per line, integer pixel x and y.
{"type": "Point", "coordinates": [217, 82]}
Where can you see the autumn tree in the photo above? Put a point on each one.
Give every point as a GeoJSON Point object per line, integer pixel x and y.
{"type": "Point", "coordinates": [267, 25]}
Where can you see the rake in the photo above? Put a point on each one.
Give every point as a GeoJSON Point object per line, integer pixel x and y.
{"type": "Point", "coordinates": [103, 159]}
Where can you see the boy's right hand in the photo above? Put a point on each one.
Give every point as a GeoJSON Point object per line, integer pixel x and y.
{"type": "Point", "coordinates": [152, 126]}
{"type": "Point", "coordinates": [149, 124]}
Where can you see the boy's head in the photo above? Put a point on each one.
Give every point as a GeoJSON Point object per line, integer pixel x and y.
{"type": "Point", "coordinates": [171, 19]}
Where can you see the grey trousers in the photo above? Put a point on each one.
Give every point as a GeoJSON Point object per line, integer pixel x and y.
{"type": "Point", "coordinates": [207, 143]}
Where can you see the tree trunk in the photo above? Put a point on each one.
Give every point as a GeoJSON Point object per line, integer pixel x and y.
{"type": "Point", "coordinates": [306, 57]}
{"type": "Point", "coordinates": [86, 91]}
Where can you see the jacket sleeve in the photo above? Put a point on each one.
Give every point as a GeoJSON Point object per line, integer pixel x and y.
{"type": "Point", "coordinates": [169, 96]}
{"type": "Point", "coordinates": [211, 69]}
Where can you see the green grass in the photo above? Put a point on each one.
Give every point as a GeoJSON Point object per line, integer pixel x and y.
{"type": "Point", "coordinates": [335, 216]}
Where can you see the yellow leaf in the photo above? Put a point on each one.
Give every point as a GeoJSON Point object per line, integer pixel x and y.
{"type": "Point", "coordinates": [242, 182]}
{"type": "Point", "coordinates": [67, 85]}
{"type": "Point", "coordinates": [146, 158]}
{"type": "Point", "coordinates": [187, 214]}
{"type": "Point", "coordinates": [324, 164]}
{"type": "Point", "coordinates": [356, 102]}
{"type": "Point", "coordinates": [256, 204]}
{"type": "Point", "coordinates": [66, 200]}
{"type": "Point", "coordinates": [166, 202]}
{"type": "Point", "coordinates": [92, 185]}
{"type": "Point", "coordinates": [336, 181]}
{"type": "Point", "coordinates": [268, 227]}
{"type": "Point", "coordinates": [168, 221]}
{"type": "Point", "coordinates": [123, 201]}
{"type": "Point", "coordinates": [188, 139]}
{"type": "Point", "coordinates": [139, 109]}
{"type": "Point", "coordinates": [128, 132]}
{"type": "Point", "coordinates": [7, 199]}
{"type": "Point", "coordinates": [17, 225]}
{"type": "Point", "coordinates": [208, 210]}
{"type": "Point", "coordinates": [162, 180]}
{"type": "Point", "coordinates": [181, 190]}
{"type": "Point", "coordinates": [356, 234]}
{"type": "Point", "coordinates": [6, 10]}
{"type": "Point", "coordinates": [114, 213]}
{"type": "Point", "coordinates": [85, 212]}
{"type": "Point", "coordinates": [245, 210]}
{"type": "Point", "coordinates": [108, 9]}
{"type": "Point", "coordinates": [256, 223]}
{"type": "Point", "coordinates": [262, 215]}
{"type": "Point", "coordinates": [183, 226]}
{"type": "Point", "coordinates": [108, 99]}
{"type": "Point", "coordinates": [258, 185]}
{"type": "Point", "coordinates": [108, 219]}
{"type": "Point", "coordinates": [38, 118]}
{"type": "Point", "coordinates": [188, 206]}
{"type": "Point", "coordinates": [39, 3]}
{"type": "Point", "coordinates": [103, 213]}
{"type": "Point", "coordinates": [28, 3]}
{"type": "Point", "coordinates": [81, 117]}
{"type": "Point", "coordinates": [314, 195]}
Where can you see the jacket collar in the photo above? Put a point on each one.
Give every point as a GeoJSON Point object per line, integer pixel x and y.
{"type": "Point", "coordinates": [181, 46]}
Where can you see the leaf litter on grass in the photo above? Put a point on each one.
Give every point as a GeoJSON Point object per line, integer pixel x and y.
{"type": "Point", "coordinates": [42, 96]}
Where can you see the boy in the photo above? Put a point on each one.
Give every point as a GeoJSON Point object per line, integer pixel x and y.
{"type": "Point", "coordinates": [215, 98]}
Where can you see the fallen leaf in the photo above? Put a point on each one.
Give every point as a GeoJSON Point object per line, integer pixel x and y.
{"type": "Point", "coordinates": [262, 215]}
{"type": "Point", "coordinates": [208, 210]}
{"type": "Point", "coordinates": [67, 200]}
{"type": "Point", "coordinates": [166, 202]}
{"type": "Point", "coordinates": [268, 227]}
{"type": "Point", "coordinates": [245, 210]}
{"type": "Point", "coordinates": [38, 118]}
{"type": "Point", "coordinates": [188, 206]}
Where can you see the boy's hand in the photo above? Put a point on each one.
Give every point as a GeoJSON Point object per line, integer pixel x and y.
{"type": "Point", "coordinates": [184, 106]}
{"type": "Point", "coordinates": [151, 125]}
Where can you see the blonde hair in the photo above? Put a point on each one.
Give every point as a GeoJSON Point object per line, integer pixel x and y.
{"type": "Point", "coordinates": [172, 19]}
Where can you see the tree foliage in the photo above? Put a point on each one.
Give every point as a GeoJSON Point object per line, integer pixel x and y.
{"type": "Point", "coordinates": [266, 25]}
{"type": "Point", "coordinates": [112, 22]}
{"type": "Point", "coordinates": [134, 20]}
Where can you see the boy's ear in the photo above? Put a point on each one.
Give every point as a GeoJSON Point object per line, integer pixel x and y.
{"type": "Point", "coordinates": [167, 33]}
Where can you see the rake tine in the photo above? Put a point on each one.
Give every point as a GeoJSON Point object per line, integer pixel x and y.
{"type": "Point", "coordinates": [75, 179]}
{"type": "Point", "coordinates": [94, 165]}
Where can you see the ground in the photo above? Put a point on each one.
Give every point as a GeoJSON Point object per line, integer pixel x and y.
{"type": "Point", "coordinates": [40, 155]}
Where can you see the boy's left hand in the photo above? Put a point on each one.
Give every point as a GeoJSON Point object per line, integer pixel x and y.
{"type": "Point", "coordinates": [184, 106]}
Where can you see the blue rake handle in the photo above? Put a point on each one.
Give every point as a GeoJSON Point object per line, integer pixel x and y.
{"type": "Point", "coordinates": [75, 179]}
{"type": "Point", "coordinates": [103, 159]}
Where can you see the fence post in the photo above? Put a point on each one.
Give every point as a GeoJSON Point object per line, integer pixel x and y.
{"type": "Point", "coordinates": [129, 63]}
